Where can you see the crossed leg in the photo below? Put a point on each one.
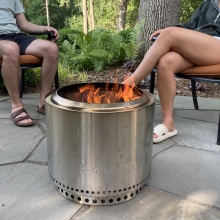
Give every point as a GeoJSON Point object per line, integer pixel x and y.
{"type": "Point", "coordinates": [198, 48]}
{"type": "Point", "coordinates": [175, 50]}
{"type": "Point", "coordinates": [167, 66]}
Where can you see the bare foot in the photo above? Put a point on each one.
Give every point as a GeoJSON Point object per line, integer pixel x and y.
{"type": "Point", "coordinates": [21, 118]}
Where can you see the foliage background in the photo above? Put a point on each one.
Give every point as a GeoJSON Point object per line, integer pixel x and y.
{"type": "Point", "coordinates": [80, 52]}
{"type": "Point", "coordinates": [68, 13]}
{"type": "Point", "coordinates": [99, 50]}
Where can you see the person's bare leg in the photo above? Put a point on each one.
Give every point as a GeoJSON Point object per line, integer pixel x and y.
{"type": "Point", "coordinates": [9, 51]}
{"type": "Point", "coordinates": [49, 52]}
{"type": "Point", "coordinates": [199, 48]}
{"type": "Point", "coordinates": [167, 66]}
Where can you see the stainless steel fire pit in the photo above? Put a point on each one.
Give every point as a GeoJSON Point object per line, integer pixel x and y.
{"type": "Point", "coordinates": [99, 154]}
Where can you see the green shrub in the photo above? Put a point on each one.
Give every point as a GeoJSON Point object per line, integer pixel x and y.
{"type": "Point", "coordinates": [32, 77]}
{"type": "Point", "coordinates": [32, 80]}
{"type": "Point", "coordinates": [98, 49]}
{"type": "Point", "coordinates": [188, 7]}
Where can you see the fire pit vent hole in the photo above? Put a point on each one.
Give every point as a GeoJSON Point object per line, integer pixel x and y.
{"type": "Point", "coordinates": [98, 192]}
{"type": "Point", "coordinates": [129, 193]}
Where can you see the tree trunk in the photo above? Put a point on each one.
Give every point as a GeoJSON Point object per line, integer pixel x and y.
{"type": "Point", "coordinates": [47, 14]}
{"type": "Point", "coordinates": [156, 14]}
{"type": "Point", "coordinates": [92, 22]}
{"type": "Point", "coordinates": [122, 14]}
{"type": "Point", "coordinates": [85, 18]}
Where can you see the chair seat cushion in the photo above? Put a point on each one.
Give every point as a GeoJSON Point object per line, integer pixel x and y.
{"type": "Point", "coordinates": [204, 71]}
{"type": "Point", "coordinates": [28, 60]}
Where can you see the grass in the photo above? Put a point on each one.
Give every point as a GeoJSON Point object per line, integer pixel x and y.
{"type": "Point", "coordinates": [83, 76]}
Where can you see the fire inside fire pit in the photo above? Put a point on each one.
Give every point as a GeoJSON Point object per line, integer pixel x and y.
{"type": "Point", "coordinates": [100, 93]}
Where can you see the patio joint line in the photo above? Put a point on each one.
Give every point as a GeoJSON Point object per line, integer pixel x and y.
{"type": "Point", "coordinates": [200, 149]}
{"type": "Point", "coordinates": [12, 163]}
{"type": "Point", "coordinates": [36, 162]}
{"type": "Point", "coordinates": [39, 142]}
{"type": "Point", "coordinates": [22, 162]}
{"type": "Point", "coordinates": [37, 145]}
{"type": "Point", "coordinates": [5, 100]}
{"type": "Point", "coordinates": [83, 209]}
{"type": "Point", "coordinates": [186, 199]}
{"type": "Point", "coordinates": [42, 129]}
{"type": "Point", "coordinates": [193, 119]}
{"type": "Point", "coordinates": [166, 149]}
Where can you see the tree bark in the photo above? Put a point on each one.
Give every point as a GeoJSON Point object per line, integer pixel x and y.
{"type": "Point", "coordinates": [156, 14]}
{"type": "Point", "coordinates": [92, 22]}
{"type": "Point", "coordinates": [122, 14]}
{"type": "Point", "coordinates": [85, 18]}
{"type": "Point", "coordinates": [47, 13]}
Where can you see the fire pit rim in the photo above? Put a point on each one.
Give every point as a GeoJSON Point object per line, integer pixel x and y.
{"type": "Point", "coordinates": [67, 104]}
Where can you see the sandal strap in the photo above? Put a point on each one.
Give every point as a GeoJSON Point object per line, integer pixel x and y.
{"type": "Point", "coordinates": [18, 119]}
{"type": "Point", "coordinates": [18, 112]}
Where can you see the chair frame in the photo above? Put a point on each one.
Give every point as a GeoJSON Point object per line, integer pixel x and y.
{"type": "Point", "coordinates": [193, 79]}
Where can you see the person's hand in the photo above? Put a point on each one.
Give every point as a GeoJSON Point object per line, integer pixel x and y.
{"type": "Point", "coordinates": [127, 76]}
{"type": "Point", "coordinates": [55, 32]}
{"type": "Point", "coordinates": [155, 34]}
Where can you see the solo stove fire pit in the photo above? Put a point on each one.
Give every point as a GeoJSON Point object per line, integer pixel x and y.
{"type": "Point", "coordinates": [99, 153]}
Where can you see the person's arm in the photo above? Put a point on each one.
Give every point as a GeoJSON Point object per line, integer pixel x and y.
{"type": "Point", "coordinates": [29, 27]}
{"type": "Point", "coordinates": [191, 24]}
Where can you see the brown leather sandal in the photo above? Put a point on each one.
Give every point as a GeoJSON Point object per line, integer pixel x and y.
{"type": "Point", "coordinates": [17, 120]}
{"type": "Point", "coordinates": [41, 110]}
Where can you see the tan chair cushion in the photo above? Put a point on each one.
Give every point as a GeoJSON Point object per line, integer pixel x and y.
{"type": "Point", "coordinates": [28, 60]}
{"type": "Point", "coordinates": [204, 71]}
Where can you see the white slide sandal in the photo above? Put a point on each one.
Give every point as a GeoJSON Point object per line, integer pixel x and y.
{"type": "Point", "coordinates": [163, 133]}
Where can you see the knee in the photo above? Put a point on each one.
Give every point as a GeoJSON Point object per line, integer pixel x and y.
{"type": "Point", "coordinates": [165, 63]}
{"type": "Point", "coordinates": [165, 67]}
{"type": "Point", "coordinates": [52, 51]}
{"type": "Point", "coordinates": [168, 33]}
{"type": "Point", "coordinates": [11, 52]}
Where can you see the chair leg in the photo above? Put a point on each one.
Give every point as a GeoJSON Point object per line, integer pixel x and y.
{"type": "Point", "coordinates": [152, 81]}
{"type": "Point", "coordinates": [218, 134]}
{"type": "Point", "coordinates": [56, 81]}
{"type": "Point", "coordinates": [21, 84]}
{"type": "Point", "coordinates": [195, 102]}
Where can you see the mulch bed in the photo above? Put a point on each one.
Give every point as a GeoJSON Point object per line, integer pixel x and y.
{"type": "Point", "coordinates": [210, 90]}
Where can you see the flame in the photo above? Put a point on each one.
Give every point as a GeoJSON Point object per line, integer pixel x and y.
{"type": "Point", "coordinates": [111, 94]}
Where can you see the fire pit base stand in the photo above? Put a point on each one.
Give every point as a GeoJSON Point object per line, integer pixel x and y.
{"type": "Point", "coordinates": [98, 197]}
